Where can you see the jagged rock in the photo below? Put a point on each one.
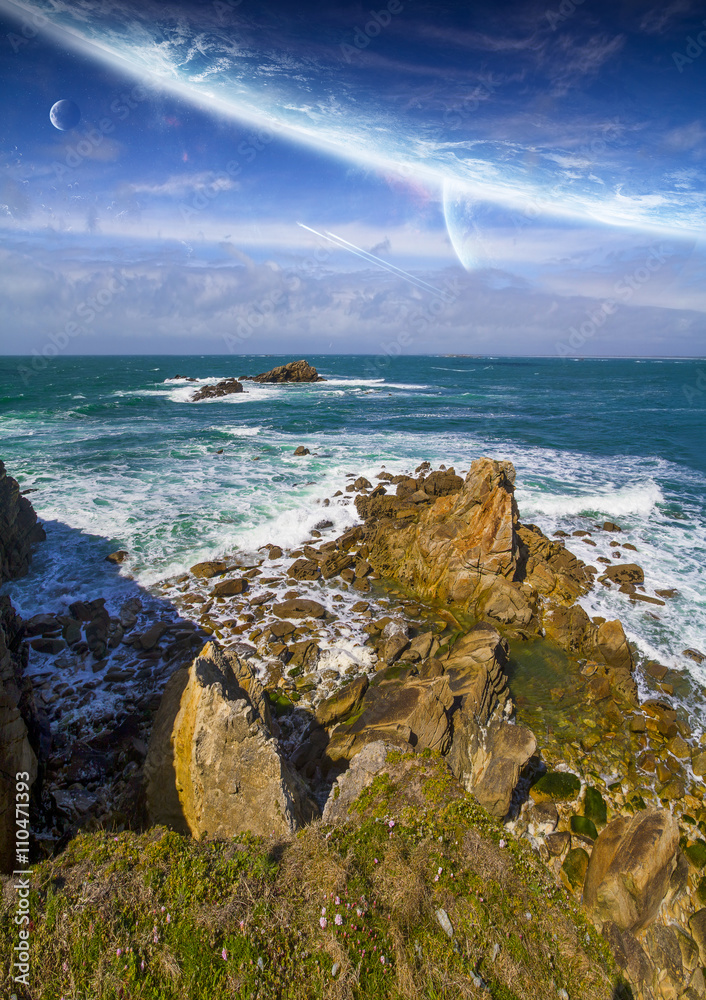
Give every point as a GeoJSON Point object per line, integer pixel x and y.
{"type": "Point", "coordinates": [342, 703]}
{"type": "Point", "coordinates": [364, 767]}
{"type": "Point", "coordinates": [224, 388]}
{"type": "Point", "coordinates": [629, 954]}
{"type": "Point", "coordinates": [631, 867]}
{"type": "Point", "coordinates": [213, 767]}
{"type": "Point", "coordinates": [474, 668]}
{"type": "Point", "coordinates": [335, 563]}
{"type": "Point", "coordinates": [208, 569]}
{"type": "Point", "coordinates": [488, 762]}
{"type": "Point", "coordinates": [117, 557]}
{"type": "Point", "coordinates": [301, 450]}
{"type": "Point", "coordinates": [294, 371]}
{"type": "Point", "coordinates": [150, 638]}
{"type": "Point", "coordinates": [19, 529]}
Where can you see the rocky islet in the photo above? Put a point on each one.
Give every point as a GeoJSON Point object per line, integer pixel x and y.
{"type": "Point", "coordinates": [404, 632]}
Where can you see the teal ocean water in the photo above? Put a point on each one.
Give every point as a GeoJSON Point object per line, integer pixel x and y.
{"type": "Point", "coordinates": [117, 456]}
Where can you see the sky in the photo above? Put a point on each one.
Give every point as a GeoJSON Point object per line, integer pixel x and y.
{"type": "Point", "coordinates": [407, 177]}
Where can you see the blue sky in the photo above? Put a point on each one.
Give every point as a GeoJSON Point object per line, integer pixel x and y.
{"type": "Point", "coordinates": [511, 178]}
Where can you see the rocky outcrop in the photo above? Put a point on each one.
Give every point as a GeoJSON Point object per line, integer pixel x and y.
{"type": "Point", "coordinates": [213, 767]}
{"type": "Point", "coordinates": [294, 371]}
{"type": "Point", "coordinates": [630, 869]}
{"type": "Point", "coordinates": [460, 542]}
{"type": "Point", "coordinates": [224, 388]}
{"type": "Point", "coordinates": [19, 529]}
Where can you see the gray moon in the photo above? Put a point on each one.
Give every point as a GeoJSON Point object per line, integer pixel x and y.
{"type": "Point", "coordinates": [65, 115]}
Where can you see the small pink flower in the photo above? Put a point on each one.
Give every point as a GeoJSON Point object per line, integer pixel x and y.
{"type": "Point", "coordinates": [323, 923]}
{"type": "Point", "coordinates": [119, 952]}
{"type": "Point", "coordinates": [337, 901]}
{"type": "Point", "coordinates": [382, 959]}
{"type": "Point", "coordinates": [242, 924]}
{"type": "Point", "coordinates": [169, 919]}
{"type": "Point", "coordinates": [375, 860]}
{"type": "Point", "coordinates": [323, 911]}
{"type": "Point", "coordinates": [163, 909]}
{"type": "Point", "coordinates": [338, 920]}
{"type": "Point", "coordinates": [224, 955]}
{"type": "Point", "coordinates": [391, 823]}
{"type": "Point", "coordinates": [501, 844]}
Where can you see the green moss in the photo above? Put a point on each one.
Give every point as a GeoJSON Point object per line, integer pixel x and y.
{"type": "Point", "coordinates": [559, 786]}
{"type": "Point", "coordinates": [574, 867]}
{"type": "Point", "coordinates": [584, 827]}
{"type": "Point", "coordinates": [594, 807]}
{"type": "Point", "coordinates": [696, 853]}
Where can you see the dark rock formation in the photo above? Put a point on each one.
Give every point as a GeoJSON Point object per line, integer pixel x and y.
{"type": "Point", "coordinates": [225, 388]}
{"type": "Point", "coordinates": [19, 529]}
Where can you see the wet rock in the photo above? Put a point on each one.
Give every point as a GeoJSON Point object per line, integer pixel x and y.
{"type": "Point", "coordinates": [556, 786]}
{"type": "Point", "coordinates": [694, 654]}
{"type": "Point", "coordinates": [299, 607]}
{"type": "Point", "coordinates": [625, 573]}
{"type": "Point", "coordinates": [274, 552]}
{"type": "Point", "coordinates": [631, 867]}
{"type": "Point", "coordinates": [117, 557]}
{"type": "Point", "coordinates": [231, 588]}
{"type": "Point", "coordinates": [150, 638]}
{"type": "Point", "coordinates": [41, 624]}
{"type": "Point", "coordinates": [304, 569]}
{"type": "Point", "coordinates": [213, 768]}
{"type": "Point", "coordinates": [335, 563]}
{"type": "Point", "coordinates": [301, 450]}
{"type": "Point", "coordinates": [226, 387]}
{"type": "Point", "coordinates": [206, 570]}
{"type": "Point", "coordinates": [611, 526]}
{"type": "Point", "coordinates": [45, 645]}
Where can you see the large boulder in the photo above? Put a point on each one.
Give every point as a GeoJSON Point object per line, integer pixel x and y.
{"type": "Point", "coordinates": [474, 667]}
{"type": "Point", "coordinates": [630, 868]}
{"type": "Point", "coordinates": [213, 767]}
{"type": "Point", "coordinates": [19, 529]}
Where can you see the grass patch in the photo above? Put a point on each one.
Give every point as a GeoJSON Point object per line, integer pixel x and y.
{"type": "Point", "coordinates": [347, 911]}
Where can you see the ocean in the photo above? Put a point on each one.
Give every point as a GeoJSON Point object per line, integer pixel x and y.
{"type": "Point", "coordinates": [118, 457]}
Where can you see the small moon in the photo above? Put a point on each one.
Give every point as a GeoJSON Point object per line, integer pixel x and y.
{"type": "Point", "coordinates": [65, 115]}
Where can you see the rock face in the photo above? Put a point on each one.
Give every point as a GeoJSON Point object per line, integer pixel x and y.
{"type": "Point", "coordinates": [630, 868]}
{"type": "Point", "coordinates": [213, 767]}
{"type": "Point", "coordinates": [224, 388]}
{"type": "Point", "coordinates": [364, 767]}
{"type": "Point", "coordinates": [294, 371]}
{"type": "Point", "coordinates": [16, 753]}
{"type": "Point", "coordinates": [19, 529]}
{"type": "Point", "coordinates": [488, 762]}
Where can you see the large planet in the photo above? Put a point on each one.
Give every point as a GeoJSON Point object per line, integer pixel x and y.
{"type": "Point", "coordinates": [65, 115]}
